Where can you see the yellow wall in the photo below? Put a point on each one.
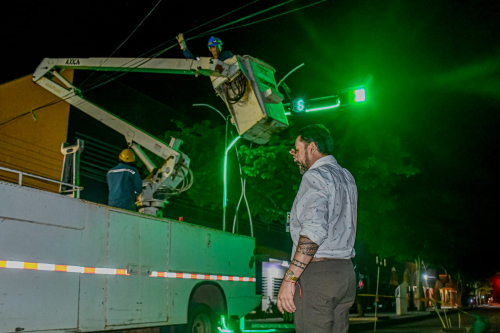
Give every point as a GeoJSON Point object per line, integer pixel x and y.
{"type": "Point", "coordinates": [29, 145]}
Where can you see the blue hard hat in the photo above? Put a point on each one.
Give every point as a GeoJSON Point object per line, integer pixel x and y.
{"type": "Point", "coordinates": [214, 41]}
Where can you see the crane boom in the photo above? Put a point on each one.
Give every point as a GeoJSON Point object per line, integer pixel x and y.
{"type": "Point", "coordinates": [245, 84]}
{"type": "Point", "coordinates": [204, 66]}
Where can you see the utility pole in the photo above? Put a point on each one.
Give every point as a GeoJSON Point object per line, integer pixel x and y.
{"type": "Point", "coordinates": [420, 290]}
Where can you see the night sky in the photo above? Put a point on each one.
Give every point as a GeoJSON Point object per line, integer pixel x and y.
{"type": "Point", "coordinates": [433, 68]}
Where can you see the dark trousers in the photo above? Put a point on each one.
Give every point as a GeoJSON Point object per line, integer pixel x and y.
{"type": "Point", "coordinates": [328, 291]}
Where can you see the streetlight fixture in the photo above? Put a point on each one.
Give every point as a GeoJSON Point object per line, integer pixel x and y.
{"type": "Point", "coordinates": [224, 204]}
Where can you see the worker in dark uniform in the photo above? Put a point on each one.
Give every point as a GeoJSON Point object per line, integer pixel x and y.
{"type": "Point", "coordinates": [124, 182]}
{"type": "Point", "coordinates": [214, 45]}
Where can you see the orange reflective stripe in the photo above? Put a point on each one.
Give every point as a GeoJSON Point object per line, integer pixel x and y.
{"type": "Point", "coordinates": [61, 268]}
{"type": "Point", "coordinates": [89, 270]}
{"type": "Point", "coordinates": [115, 271]}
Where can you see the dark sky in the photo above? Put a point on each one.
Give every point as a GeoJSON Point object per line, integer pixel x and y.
{"type": "Point", "coordinates": [434, 68]}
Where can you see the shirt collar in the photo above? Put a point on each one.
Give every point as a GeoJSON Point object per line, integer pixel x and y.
{"type": "Point", "coordinates": [328, 159]}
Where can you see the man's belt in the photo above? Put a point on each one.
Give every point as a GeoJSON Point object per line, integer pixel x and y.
{"type": "Point", "coordinates": [325, 259]}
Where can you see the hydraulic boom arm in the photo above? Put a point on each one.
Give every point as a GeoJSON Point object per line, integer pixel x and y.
{"type": "Point", "coordinates": [245, 84]}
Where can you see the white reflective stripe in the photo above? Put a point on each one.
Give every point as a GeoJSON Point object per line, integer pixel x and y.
{"type": "Point", "coordinates": [115, 271]}
{"type": "Point", "coordinates": [121, 170]}
{"type": "Point", "coordinates": [46, 267]}
{"type": "Point", "coordinates": [193, 276]}
{"type": "Point", "coordinates": [105, 271]}
{"type": "Point", "coordinates": [60, 268]}
{"type": "Point", "coordinates": [74, 269]}
{"type": "Point", "coordinates": [15, 264]}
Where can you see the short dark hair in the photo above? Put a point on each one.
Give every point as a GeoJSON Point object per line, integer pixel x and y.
{"type": "Point", "coordinates": [320, 135]}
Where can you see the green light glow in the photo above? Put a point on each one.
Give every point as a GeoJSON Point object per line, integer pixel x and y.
{"type": "Point", "coordinates": [359, 95]}
{"type": "Point", "coordinates": [225, 329]}
{"type": "Point", "coordinates": [325, 107]}
{"type": "Point", "coordinates": [225, 169]}
{"type": "Point", "coordinates": [287, 113]}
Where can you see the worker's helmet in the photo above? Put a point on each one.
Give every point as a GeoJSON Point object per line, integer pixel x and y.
{"type": "Point", "coordinates": [127, 156]}
{"type": "Point", "coordinates": [214, 41]}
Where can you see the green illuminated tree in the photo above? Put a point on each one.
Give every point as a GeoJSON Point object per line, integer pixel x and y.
{"type": "Point", "coordinates": [204, 144]}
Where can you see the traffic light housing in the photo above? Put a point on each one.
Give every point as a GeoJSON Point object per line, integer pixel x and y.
{"type": "Point", "coordinates": [352, 95]}
{"type": "Point", "coordinates": [345, 97]}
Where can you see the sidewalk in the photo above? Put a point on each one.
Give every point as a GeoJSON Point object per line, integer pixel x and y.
{"type": "Point", "coordinates": [356, 323]}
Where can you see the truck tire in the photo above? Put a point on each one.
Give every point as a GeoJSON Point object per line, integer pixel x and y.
{"type": "Point", "coordinates": [202, 320]}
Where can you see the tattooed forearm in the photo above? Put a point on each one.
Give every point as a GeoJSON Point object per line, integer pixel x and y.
{"type": "Point", "coordinates": [299, 264]}
{"type": "Point", "coordinates": [306, 246]}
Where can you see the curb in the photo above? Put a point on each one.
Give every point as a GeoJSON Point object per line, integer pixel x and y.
{"type": "Point", "coordinates": [388, 322]}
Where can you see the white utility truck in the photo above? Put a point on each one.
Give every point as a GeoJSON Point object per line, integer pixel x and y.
{"type": "Point", "coordinates": [70, 265]}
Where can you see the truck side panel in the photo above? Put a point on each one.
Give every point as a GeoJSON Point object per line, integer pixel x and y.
{"type": "Point", "coordinates": [25, 236]}
{"type": "Point", "coordinates": [155, 239]}
{"type": "Point", "coordinates": [123, 292]}
{"type": "Point", "coordinates": [89, 267]}
{"type": "Point", "coordinates": [214, 252]}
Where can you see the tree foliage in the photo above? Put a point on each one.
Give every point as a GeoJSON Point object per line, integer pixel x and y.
{"type": "Point", "coordinates": [204, 145]}
{"type": "Point", "coordinates": [376, 157]}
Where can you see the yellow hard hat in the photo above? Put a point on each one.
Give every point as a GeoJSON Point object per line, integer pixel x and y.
{"type": "Point", "coordinates": [127, 155]}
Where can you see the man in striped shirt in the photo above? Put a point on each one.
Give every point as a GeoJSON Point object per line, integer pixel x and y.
{"type": "Point", "coordinates": [124, 182]}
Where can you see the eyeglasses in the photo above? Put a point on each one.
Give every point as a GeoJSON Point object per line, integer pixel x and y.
{"type": "Point", "coordinates": [295, 151]}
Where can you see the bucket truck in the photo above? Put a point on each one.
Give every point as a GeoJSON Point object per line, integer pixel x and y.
{"type": "Point", "coordinates": [69, 265]}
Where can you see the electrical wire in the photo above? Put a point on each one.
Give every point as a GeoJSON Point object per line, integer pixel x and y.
{"type": "Point", "coordinates": [293, 70]}
{"type": "Point", "coordinates": [243, 194]}
{"type": "Point", "coordinates": [172, 39]}
{"type": "Point", "coordinates": [12, 119]}
{"type": "Point", "coordinates": [142, 61]}
{"type": "Point", "coordinates": [250, 16]}
{"type": "Point", "coordinates": [255, 22]}
{"type": "Point", "coordinates": [238, 88]}
{"type": "Point", "coordinates": [126, 39]}
{"type": "Point", "coordinates": [209, 31]}
{"type": "Point", "coordinates": [248, 4]}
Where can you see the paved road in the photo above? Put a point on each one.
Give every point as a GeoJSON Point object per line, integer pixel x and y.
{"type": "Point", "coordinates": [433, 324]}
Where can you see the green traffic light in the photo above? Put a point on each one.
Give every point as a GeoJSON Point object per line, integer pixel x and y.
{"type": "Point", "coordinates": [359, 95]}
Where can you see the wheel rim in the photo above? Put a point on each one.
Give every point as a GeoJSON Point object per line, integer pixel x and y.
{"type": "Point", "coordinates": [202, 324]}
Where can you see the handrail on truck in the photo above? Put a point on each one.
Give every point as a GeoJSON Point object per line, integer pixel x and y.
{"type": "Point", "coordinates": [76, 188]}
